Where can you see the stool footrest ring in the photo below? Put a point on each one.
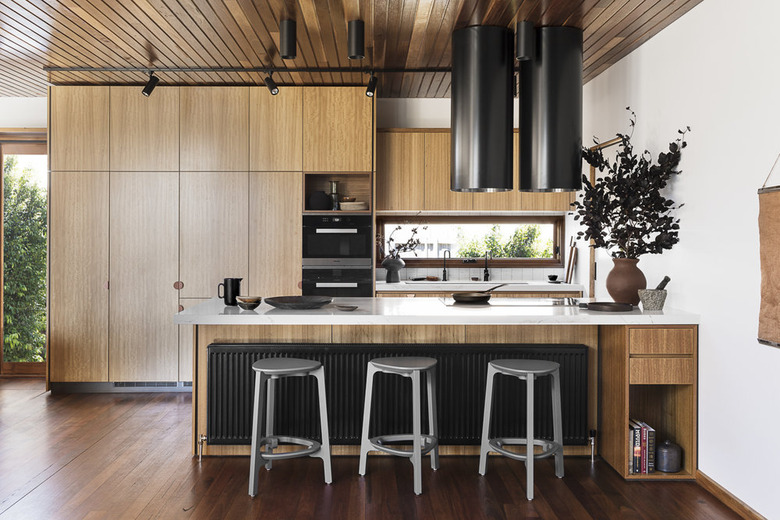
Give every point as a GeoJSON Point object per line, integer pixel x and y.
{"type": "Point", "coordinates": [380, 443]}
{"type": "Point", "coordinates": [549, 448]}
{"type": "Point", "coordinates": [310, 447]}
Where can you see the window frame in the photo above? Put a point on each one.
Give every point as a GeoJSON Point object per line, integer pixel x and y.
{"type": "Point", "coordinates": [557, 220]}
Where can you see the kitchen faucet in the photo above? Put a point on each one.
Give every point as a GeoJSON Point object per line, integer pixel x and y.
{"type": "Point", "coordinates": [444, 273]}
{"type": "Point", "coordinates": [486, 272]}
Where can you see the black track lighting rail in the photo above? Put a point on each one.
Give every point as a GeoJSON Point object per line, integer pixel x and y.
{"type": "Point", "coordinates": [261, 70]}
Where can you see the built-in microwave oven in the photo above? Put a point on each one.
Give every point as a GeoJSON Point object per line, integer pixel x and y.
{"type": "Point", "coordinates": [337, 240]}
{"type": "Point", "coordinates": [337, 281]}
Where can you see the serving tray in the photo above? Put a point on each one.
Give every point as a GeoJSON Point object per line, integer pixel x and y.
{"type": "Point", "coordinates": [298, 302]}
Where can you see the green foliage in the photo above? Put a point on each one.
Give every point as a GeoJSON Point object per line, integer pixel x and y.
{"type": "Point", "coordinates": [525, 242]}
{"type": "Point", "coordinates": [24, 263]}
{"type": "Point", "coordinates": [624, 210]}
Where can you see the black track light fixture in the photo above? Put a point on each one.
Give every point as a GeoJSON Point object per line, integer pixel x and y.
{"type": "Point", "coordinates": [356, 44]}
{"type": "Point", "coordinates": [525, 41]}
{"type": "Point", "coordinates": [287, 47]}
{"type": "Point", "coordinates": [153, 81]}
{"type": "Point", "coordinates": [271, 85]}
{"type": "Point", "coordinates": [371, 87]}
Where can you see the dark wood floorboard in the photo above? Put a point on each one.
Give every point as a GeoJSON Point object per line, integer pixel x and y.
{"type": "Point", "coordinates": [107, 456]}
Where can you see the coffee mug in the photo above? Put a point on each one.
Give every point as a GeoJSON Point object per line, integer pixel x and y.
{"type": "Point", "coordinates": [232, 288]}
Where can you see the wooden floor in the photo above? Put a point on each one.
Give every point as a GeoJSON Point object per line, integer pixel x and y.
{"type": "Point", "coordinates": [126, 456]}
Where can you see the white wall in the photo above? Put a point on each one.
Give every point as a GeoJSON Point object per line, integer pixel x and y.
{"type": "Point", "coordinates": [718, 73]}
{"type": "Point", "coordinates": [18, 112]}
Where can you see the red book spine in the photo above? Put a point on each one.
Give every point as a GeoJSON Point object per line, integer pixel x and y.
{"type": "Point", "coordinates": [644, 448]}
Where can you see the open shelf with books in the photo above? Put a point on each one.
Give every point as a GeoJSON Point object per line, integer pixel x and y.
{"type": "Point", "coordinates": [648, 374]}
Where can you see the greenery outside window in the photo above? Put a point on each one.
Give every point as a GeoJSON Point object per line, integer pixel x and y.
{"type": "Point", "coordinates": [518, 241]}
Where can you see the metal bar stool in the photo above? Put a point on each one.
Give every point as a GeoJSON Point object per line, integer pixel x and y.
{"type": "Point", "coordinates": [410, 367]}
{"type": "Point", "coordinates": [529, 370]}
{"type": "Point", "coordinates": [270, 370]}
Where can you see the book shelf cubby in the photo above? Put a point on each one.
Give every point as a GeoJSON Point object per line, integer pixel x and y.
{"type": "Point", "coordinates": [649, 374]}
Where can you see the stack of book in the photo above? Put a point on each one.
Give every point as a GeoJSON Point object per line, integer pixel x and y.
{"type": "Point", "coordinates": [641, 448]}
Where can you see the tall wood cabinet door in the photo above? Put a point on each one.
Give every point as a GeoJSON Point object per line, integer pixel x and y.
{"type": "Point", "coordinates": [144, 130]}
{"type": "Point", "coordinates": [505, 200]}
{"type": "Point", "coordinates": [275, 235]}
{"type": "Point", "coordinates": [78, 277]}
{"type": "Point", "coordinates": [186, 340]}
{"type": "Point", "coordinates": [214, 229]}
{"type": "Point", "coordinates": [437, 176]}
{"type": "Point", "coordinates": [78, 123]}
{"type": "Point", "coordinates": [144, 259]}
{"type": "Point", "coordinates": [214, 129]}
{"type": "Point", "coordinates": [400, 171]}
{"type": "Point", "coordinates": [337, 129]}
{"type": "Point", "coordinates": [276, 130]}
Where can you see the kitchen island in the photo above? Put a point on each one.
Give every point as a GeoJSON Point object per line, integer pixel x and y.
{"type": "Point", "coordinates": [639, 363]}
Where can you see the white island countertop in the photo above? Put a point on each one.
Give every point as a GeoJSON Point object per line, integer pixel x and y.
{"type": "Point", "coordinates": [430, 311]}
{"type": "Point", "coordinates": [464, 285]}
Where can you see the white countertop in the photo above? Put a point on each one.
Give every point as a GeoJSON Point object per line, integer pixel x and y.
{"type": "Point", "coordinates": [429, 311]}
{"type": "Point", "coordinates": [460, 286]}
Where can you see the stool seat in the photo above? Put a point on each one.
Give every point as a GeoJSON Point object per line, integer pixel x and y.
{"type": "Point", "coordinates": [285, 366]}
{"type": "Point", "coordinates": [521, 367]}
{"type": "Point", "coordinates": [403, 364]}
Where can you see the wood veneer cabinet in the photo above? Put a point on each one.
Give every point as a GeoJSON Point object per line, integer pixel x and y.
{"type": "Point", "coordinates": [276, 130]}
{"type": "Point", "coordinates": [186, 339]}
{"type": "Point", "coordinates": [649, 374]}
{"type": "Point", "coordinates": [214, 129]}
{"type": "Point", "coordinates": [399, 178]}
{"type": "Point", "coordinates": [337, 129]}
{"type": "Point", "coordinates": [400, 171]}
{"type": "Point", "coordinates": [78, 276]}
{"type": "Point", "coordinates": [437, 176]}
{"type": "Point", "coordinates": [275, 236]}
{"type": "Point", "coordinates": [144, 264]}
{"type": "Point", "coordinates": [214, 230]}
{"type": "Point", "coordinates": [78, 123]}
{"type": "Point", "coordinates": [144, 130]}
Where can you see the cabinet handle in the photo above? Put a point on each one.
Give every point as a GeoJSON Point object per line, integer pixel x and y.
{"type": "Point", "coordinates": [336, 231]}
{"type": "Point", "coordinates": [178, 285]}
{"type": "Point", "coordinates": [181, 308]}
{"type": "Point", "coordinates": [336, 284]}
{"type": "Point", "coordinates": [107, 285]}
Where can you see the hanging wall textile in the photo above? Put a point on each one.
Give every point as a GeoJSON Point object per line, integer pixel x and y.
{"type": "Point", "coordinates": [769, 240]}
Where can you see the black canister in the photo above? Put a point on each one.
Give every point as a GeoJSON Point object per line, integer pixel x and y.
{"type": "Point", "coordinates": [319, 200]}
{"type": "Point", "coordinates": [668, 457]}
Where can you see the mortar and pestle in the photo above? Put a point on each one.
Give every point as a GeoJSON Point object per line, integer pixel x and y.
{"type": "Point", "coordinates": [653, 299]}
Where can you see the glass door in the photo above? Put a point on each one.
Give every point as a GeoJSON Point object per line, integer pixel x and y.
{"type": "Point", "coordinates": [24, 248]}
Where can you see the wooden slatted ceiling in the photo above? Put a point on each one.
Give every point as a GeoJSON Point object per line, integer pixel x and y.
{"type": "Point", "coordinates": [245, 33]}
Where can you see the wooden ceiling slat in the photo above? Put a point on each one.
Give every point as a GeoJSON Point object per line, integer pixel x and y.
{"type": "Point", "coordinates": [40, 27]}
{"type": "Point", "coordinates": [652, 29]}
{"type": "Point", "coordinates": [204, 49]}
{"type": "Point", "coordinates": [594, 54]}
{"type": "Point", "coordinates": [596, 39]}
{"type": "Point", "coordinates": [212, 34]}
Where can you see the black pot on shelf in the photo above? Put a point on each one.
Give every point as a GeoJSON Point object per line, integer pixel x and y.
{"type": "Point", "coordinates": [319, 201]}
{"type": "Point", "coordinates": [668, 457]}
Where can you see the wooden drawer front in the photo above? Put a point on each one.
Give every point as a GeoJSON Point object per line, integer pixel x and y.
{"type": "Point", "coordinates": [661, 341]}
{"type": "Point", "coordinates": [661, 371]}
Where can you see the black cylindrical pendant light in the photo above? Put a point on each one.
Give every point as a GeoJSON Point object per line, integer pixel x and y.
{"type": "Point", "coordinates": [551, 112]}
{"type": "Point", "coordinates": [287, 46]}
{"type": "Point", "coordinates": [524, 40]}
{"type": "Point", "coordinates": [482, 69]}
{"type": "Point", "coordinates": [356, 40]}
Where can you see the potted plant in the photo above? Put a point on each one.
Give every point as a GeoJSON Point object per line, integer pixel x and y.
{"type": "Point", "coordinates": [625, 212]}
{"type": "Point", "coordinates": [392, 261]}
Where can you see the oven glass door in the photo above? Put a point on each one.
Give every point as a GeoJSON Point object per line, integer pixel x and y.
{"type": "Point", "coordinates": [331, 242]}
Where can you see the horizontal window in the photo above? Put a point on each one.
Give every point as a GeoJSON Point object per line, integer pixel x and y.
{"type": "Point", "coordinates": [509, 241]}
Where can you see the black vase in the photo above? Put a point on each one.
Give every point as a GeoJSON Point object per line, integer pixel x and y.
{"type": "Point", "coordinates": [319, 200]}
{"type": "Point", "coordinates": [393, 266]}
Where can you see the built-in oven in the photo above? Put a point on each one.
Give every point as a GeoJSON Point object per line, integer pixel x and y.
{"type": "Point", "coordinates": [337, 255]}
{"type": "Point", "coordinates": [337, 237]}
{"type": "Point", "coordinates": [337, 281]}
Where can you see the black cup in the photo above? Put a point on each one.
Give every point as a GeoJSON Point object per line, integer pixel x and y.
{"type": "Point", "coordinates": [232, 288]}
